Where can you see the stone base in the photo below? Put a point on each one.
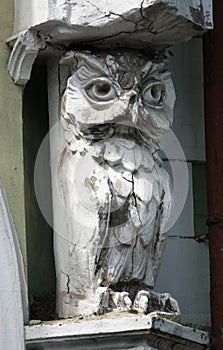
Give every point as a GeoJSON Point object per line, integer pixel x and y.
{"type": "Point", "coordinates": [138, 333]}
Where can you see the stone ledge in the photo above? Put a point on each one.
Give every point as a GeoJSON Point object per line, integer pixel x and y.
{"type": "Point", "coordinates": [113, 23]}
{"type": "Point", "coordinates": [119, 333]}
{"type": "Point", "coordinates": [57, 25]}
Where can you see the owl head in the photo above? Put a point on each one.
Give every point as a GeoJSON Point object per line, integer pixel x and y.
{"type": "Point", "coordinates": [124, 87]}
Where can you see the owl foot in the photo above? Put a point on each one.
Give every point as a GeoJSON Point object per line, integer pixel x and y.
{"type": "Point", "coordinates": [141, 301]}
{"type": "Point", "coordinates": [169, 304]}
{"type": "Point", "coordinates": [102, 300]}
{"type": "Point", "coordinates": [150, 301]}
{"type": "Point", "coordinates": [122, 300]}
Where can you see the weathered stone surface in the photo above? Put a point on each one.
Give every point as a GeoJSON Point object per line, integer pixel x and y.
{"type": "Point", "coordinates": [147, 23]}
{"type": "Point", "coordinates": [117, 198]}
{"type": "Point", "coordinates": [136, 333]}
{"type": "Point", "coordinates": [24, 53]}
{"type": "Point", "coordinates": [150, 22]}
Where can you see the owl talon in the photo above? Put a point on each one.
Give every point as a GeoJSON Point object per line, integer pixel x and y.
{"type": "Point", "coordinates": [169, 304]}
{"type": "Point", "coordinates": [102, 297]}
{"type": "Point", "coordinates": [122, 301]}
{"type": "Point", "coordinates": [141, 301]}
{"type": "Point", "coordinates": [150, 301]}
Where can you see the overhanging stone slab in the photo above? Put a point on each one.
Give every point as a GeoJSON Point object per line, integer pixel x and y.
{"type": "Point", "coordinates": [135, 23]}
{"type": "Point", "coordinates": [139, 333]}
{"type": "Point", "coordinates": [100, 23]}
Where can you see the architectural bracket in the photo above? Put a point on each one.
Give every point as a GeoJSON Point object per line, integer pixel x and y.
{"type": "Point", "coordinates": [152, 23]}
{"type": "Point", "coordinates": [24, 52]}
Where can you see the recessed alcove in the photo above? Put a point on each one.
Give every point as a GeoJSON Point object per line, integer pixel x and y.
{"type": "Point", "coordinates": [39, 235]}
{"type": "Point", "coordinates": [48, 29]}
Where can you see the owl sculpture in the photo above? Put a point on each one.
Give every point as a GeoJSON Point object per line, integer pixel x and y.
{"type": "Point", "coordinates": [115, 193]}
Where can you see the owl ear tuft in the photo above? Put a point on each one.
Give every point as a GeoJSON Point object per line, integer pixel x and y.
{"type": "Point", "coordinates": [91, 62]}
{"type": "Point", "coordinates": [88, 63]}
{"type": "Point", "coordinates": [69, 59]}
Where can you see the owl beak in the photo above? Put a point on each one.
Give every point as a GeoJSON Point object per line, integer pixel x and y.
{"type": "Point", "coordinates": [129, 96]}
{"type": "Point", "coordinates": [132, 93]}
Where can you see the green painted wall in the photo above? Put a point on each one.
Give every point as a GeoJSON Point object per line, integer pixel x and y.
{"type": "Point", "coordinates": [11, 134]}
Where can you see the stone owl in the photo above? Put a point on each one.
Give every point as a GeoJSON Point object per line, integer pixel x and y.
{"type": "Point", "coordinates": [116, 195]}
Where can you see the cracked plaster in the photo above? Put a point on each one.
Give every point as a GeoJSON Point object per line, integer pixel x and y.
{"type": "Point", "coordinates": [59, 24]}
{"type": "Point", "coordinates": [101, 23]}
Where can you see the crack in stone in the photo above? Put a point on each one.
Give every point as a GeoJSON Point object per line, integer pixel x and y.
{"type": "Point", "coordinates": [137, 237]}
{"type": "Point", "coordinates": [141, 10]}
{"type": "Point", "coordinates": [68, 282]}
{"type": "Point", "coordinates": [135, 30]}
{"type": "Point", "coordinates": [89, 2]}
{"type": "Point", "coordinates": [159, 213]}
{"type": "Point", "coordinates": [136, 23]}
{"type": "Point", "coordinates": [118, 34]}
{"type": "Point", "coordinates": [121, 16]}
{"type": "Point", "coordinates": [61, 47]}
{"type": "Point", "coordinates": [110, 36]}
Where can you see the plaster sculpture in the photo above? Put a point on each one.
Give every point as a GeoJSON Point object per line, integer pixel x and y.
{"type": "Point", "coordinates": [117, 197]}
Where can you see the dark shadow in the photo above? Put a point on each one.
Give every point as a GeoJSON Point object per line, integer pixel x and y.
{"type": "Point", "coordinates": [39, 235]}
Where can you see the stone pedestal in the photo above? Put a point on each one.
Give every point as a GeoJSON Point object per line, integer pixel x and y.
{"type": "Point", "coordinates": [138, 333]}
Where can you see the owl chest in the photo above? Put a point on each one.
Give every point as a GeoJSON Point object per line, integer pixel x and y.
{"type": "Point", "coordinates": [123, 169]}
{"type": "Point", "coordinates": [110, 175]}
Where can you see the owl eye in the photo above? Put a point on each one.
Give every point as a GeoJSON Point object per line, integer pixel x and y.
{"type": "Point", "coordinates": [153, 93]}
{"type": "Point", "coordinates": [101, 90]}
